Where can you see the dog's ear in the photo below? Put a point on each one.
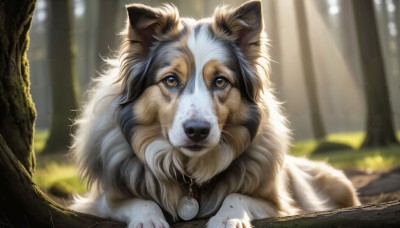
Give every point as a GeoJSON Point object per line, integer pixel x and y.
{"type": "Point", "coordinates": [244, 24]}
{"type": "Point", "coordinates": [148, 24]}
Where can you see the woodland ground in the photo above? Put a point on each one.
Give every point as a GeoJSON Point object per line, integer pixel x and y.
{"type": "Point", "coordinates": [374, 172]}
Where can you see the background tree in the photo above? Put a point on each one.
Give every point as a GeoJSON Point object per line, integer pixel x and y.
{"type": "Point", "coordinates": [317, 124]}
{"type": "Point", "coordinates": [62, 74]}
{"type": "Point", "coordinates": [379, 123]}
{"type": "Point", "coordinates": [396, 3]}
{"type": "Point", "coordinates": [272, 29]}
{"type": "Point", "coordinates": [107, 30]}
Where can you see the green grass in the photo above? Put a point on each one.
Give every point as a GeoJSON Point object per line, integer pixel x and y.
{"type": "Point", "coordinates": [374, 159]}
{"type": "Point", "coordinates": [304, 148]}
{"type": "Point", "coordinates": [378, 159]}
{"type": "Point", "coordinates": [55, 169]}
{"type": "Point", "coordinates": [39, 140]}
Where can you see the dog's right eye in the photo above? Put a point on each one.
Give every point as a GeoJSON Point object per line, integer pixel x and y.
{"type": "Point", "coordinates": [171, 81]}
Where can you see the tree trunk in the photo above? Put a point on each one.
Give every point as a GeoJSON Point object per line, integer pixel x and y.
{"type": "Point", "coordinates": [107, 30]}
{"type": "Point", "coordinates": [272, 27]}
{"type": "Point", "coordinates": [17, 111]}
{"type": "Point", "coordinates": [317, 122]}
{"type": "Point", "coordinates": [397, 21]}
{"type": "Point", "coordinates": [62, 75]}
{"type": "Point", "coordinates": [379, 126]}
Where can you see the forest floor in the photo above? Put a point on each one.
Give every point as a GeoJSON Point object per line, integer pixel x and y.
{"type": "Point", "coordinates": [376, 187]}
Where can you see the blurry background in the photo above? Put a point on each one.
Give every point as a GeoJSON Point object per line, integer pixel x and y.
{"type": "Point", "coordinates": [335, 68]}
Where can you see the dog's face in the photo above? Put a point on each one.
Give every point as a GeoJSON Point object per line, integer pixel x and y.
{"type": "Point", "coordinates": [200, 91]}
{"type": "Point", "coordinates": [193, 83]}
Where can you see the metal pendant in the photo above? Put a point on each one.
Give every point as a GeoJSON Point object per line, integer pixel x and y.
{"type": "Point", "coordinates": [188, 207]}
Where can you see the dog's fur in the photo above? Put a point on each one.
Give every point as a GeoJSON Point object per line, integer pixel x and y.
{"type": "Point", "coordinates": [192, 100]}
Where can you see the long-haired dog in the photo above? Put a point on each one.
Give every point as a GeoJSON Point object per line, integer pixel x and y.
{"type": "Point", "coordinates": [184, 125]}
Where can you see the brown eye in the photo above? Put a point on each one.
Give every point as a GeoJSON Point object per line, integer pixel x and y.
{"type": "Point", "coordinates": [171, 81]}
{"type": "Point", "coordinates": [220, 82]}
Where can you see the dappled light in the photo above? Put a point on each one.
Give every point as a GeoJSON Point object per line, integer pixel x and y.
{"type": "Point", "coordinates": [377, 162]}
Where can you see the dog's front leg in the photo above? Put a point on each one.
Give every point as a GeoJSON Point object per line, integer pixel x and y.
{"type": "Point", "coordinates": [135, 212]}
{"type": "Point", "coordinates": [239, 210]}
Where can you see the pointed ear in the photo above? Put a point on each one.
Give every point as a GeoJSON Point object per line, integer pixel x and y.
{"type": "Point", "coordinates": [244, 24]}
{"type": "Point", "coordinates": [148, 24]}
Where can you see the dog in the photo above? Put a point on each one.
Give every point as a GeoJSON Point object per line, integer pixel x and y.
{"type": "Point", "coordinates": [184, 125]}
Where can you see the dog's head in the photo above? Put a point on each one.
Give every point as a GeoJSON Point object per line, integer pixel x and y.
{"type": "Point", "coordinates": [194, 84]}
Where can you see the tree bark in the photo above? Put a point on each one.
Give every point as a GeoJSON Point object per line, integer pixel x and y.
{"type": "Point", "coordinates": [17, 111]}
{"type": "Point", "coordinates": [379, 125]}
{"type": "Point", "coordinates": [62, 75]}
{"type": "Point", "coordinates": [318, 127]}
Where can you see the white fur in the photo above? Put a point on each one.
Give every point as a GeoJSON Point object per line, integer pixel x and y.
{"type": "Point", "coordinates": [138, 212]}
{"type": "Point", "coordinates": [204, 49]}
{"type": "Point", "coordinates": [239, 210]}
{"type": "Point", "coordinates": [194, 106]}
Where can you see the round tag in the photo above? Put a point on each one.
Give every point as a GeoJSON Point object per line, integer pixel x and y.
{"type": "Point", "coordinates": [188, 208]}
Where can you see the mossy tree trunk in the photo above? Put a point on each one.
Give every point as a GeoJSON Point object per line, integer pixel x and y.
{"type": "Point", "coordinates": [379, 123]}
{"type": "Point", "coordinates": [62, 75]}
{"type": "Point", "coordinates": [17, 112]}
{"type": "Point", "coordinates": [22, 203]}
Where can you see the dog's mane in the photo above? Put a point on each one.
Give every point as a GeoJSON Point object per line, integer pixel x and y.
{"type": "Point", "coordinates": [152, 168]}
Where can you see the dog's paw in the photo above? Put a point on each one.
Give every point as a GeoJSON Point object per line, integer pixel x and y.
{"type": "Point", "coordinates": [146, 214]}
{"type": "Point", "coordinates": [148, 222]}
{"type": "Point", "coordinates": [226, 222]}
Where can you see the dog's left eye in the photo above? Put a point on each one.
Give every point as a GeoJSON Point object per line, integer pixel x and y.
{"type": "Point", "coordinates": [220, 82]}
{"type": "Point", "coordinates": [171, 81]}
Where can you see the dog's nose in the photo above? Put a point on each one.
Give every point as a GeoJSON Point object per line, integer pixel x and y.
{"type": "Point", "coordinates": [197, 130]}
